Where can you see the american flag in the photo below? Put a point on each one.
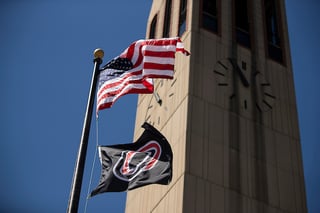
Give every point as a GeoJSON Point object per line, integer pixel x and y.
{"type": "Point", "coordinates": [133, 70]}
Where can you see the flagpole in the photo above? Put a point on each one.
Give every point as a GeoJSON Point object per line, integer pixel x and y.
{"type": "Point", "coordinates": [80, 163]}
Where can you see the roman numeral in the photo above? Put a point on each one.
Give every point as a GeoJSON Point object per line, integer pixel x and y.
{"type": "Point", "coordinates": [222, 84]}
{"type": "Point", "coordinates": [224, 66]}
{"type": "Point", "coordinates": [267, 104]}
{"type": "Point", "coordinates": [269, 95]}
{"type": "Point", "coordinates": [219, 73]}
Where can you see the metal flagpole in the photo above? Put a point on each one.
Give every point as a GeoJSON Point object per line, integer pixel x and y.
{"type": "Point", "coordinates": [80, 163]}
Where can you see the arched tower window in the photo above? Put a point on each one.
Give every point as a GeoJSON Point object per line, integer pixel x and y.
{"type": "Point", "coordinates": [167, 19]}
{"type": "Point", "coordinates": [273, 29]}
{"type": "Point", "coordinates": [242, 22]}
{"type": "Point", "coordinates": [153, 26]}
{"type": "Point", "coordinates": [209, 15]}
{"type": "Point", "coordinates": [182, 17]}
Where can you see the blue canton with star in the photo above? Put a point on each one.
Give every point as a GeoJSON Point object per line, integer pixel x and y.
{"type": "Point", "coordinates": [114, 68]}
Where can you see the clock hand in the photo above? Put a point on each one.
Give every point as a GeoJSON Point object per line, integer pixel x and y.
{"type": "Point", "coordinates": [158, 99]}
{"type": "Point", "coordinates": [242, 76]}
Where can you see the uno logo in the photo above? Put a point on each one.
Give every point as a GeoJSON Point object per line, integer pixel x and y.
{"type": "Point", "coordinates": [132, 163]}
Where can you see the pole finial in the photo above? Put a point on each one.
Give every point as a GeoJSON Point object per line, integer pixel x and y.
{"type": "Point", "coordinates": [98, 53]}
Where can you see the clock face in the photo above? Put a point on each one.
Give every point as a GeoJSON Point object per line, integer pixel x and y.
{"type": "Point", "coordinates": [149, 109]}
{"type": "Point", "coordinates": [169, 95]}
{"type": "Point", "coordinates": [154, 102]}
{"type": "Point", "coordinates": [236, 80]}
{"type": "Point", "coordinates": [223, 71]}
{"type": "Point", "coordinates": [160, 103]}
{"type": "Point", "coordinates": [231, 79]}
{"type": "Point", "coordinates": [157, 103]}
{"type": "Point", "coordinates": [265, 98]}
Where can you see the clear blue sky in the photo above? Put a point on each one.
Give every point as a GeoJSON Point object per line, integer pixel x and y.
{"type": "Point", "coordinates": [45, 69]}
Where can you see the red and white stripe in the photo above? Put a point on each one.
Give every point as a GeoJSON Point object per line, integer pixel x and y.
{"type": "Point", "coordinates": [117, 87]}
{"type": "Point", "coordinates": [153, 58]}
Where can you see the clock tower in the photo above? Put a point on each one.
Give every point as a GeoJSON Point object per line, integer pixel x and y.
{"type": "Point", "coordinates": [229, 113]}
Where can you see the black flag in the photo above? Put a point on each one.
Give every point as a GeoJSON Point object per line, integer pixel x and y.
{"type": "Point", "coordinates": [129, 166]}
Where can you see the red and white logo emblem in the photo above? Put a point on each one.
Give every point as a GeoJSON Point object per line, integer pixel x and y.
{"type": "Point", "coordinates": [132, 163]}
